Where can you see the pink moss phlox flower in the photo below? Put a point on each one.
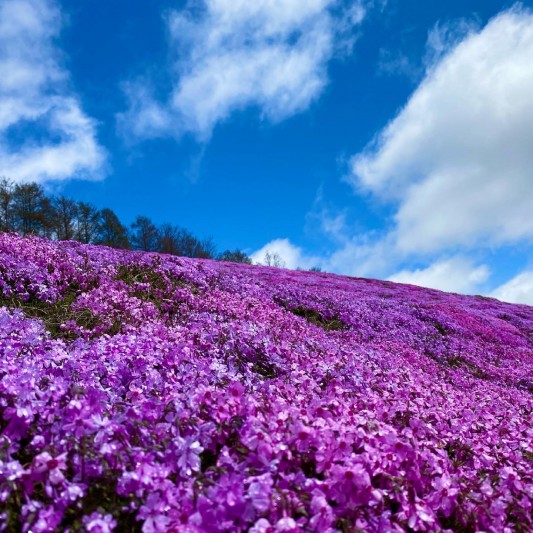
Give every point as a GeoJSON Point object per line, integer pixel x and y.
{"type": "Point", "coordinates": [199, 396]}
{"type": "Point", "coordinates": [99, 523]}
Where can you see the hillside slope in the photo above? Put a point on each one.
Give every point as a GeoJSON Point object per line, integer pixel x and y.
{"type": "Point", "coordinates": [157, 393]}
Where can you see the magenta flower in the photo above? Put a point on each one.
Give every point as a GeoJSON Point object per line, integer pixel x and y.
{"type": "Point", "coordinates": [196, 396]}
{"type": "Point", "coordinates": [260, 491]}
{"type": "Point", "coordinates": [99, 523]}
{"type": "Point", "coordinates": [189, 450]}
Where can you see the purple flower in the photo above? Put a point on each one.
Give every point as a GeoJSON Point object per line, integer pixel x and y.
{"type": "Point", "coordinates": [189, 450]}
{"type": "Point", "coordinates": [262, 526]}
{"type": "Point", "coordinates": [99, 523]}
{"type": "Point", "coordinates": [203, 396]}
{"type": "Point", "coordinates": [260, 491]}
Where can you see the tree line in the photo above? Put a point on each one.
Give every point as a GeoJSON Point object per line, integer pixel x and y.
{"type": "Point", "coordinates": [26, 209]}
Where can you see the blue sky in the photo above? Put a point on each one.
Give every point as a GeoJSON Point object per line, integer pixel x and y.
{"type": "Point", "coordinates": [387, 139]}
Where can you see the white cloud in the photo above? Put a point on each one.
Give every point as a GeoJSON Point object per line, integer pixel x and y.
{"type": "Point", "coordinates": [364, 256]}
{"type": "Point", "coordinates": [355, 257]}
{"type": "Point", "coordinates": [326, 221]}
{"type": "Point", "coordinates": [444, 37]}
{"type": "Point", "coordinates": [146, 117]}
{"type": "Point", "coordinates": [333, 224]}
{"type": "Point", "coordinates": [457, 274]}
{"type": "Point", "coordinates": [395, 63]}
{"type": "Point", "coordinates": [457, 159]}
{"type": "Point", "coordinates": [234, 54]}
{"type": "Point", "coordinates": [291, 256]}
{"type": "Point", "coordinates": [34, 92]}
{"type": "Point", "coordinates": [517, 290]}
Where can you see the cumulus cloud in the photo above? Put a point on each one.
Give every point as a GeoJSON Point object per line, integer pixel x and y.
{"type": "Point", "coordinates": [289, 255]}
{"type": "Point", "coordinates": [457, 159]}
{"type": "Point", "coordinates": [355, 257]}
{"type": "Point", "coordinates": [518, 290]}
{"type": "Point", "coordinates": [363, 256]}
{"type": "Point", "coordinates": [34, 93]}
{"type": "Point", "coordinates": [456, 274]}
{"type": "Point", "coordinates": [233, 54]}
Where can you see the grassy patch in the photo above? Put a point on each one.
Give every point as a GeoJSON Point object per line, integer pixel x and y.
{"type": "Point", "coordinates": [315, 317]}
{"type": "Point", "coordinates": [160, 286]}
{"type": "Point", "coordinates": [440, 328]}
{"type": "Point", "coordinates": [54, 315]}
{"type": "Point", "coordinates": [459, 453]}
{"type": "Point", "coordinates": [457, 361]}
{"type": "Point", "coordinates": [133, 273]}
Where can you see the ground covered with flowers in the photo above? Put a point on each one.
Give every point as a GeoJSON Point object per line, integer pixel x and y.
{"type": "Point", "coordinates": [141, 392]}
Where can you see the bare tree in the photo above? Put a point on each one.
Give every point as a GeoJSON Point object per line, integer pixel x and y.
{"type": "Point", "coordinates": [273, 259]}
{"type": "Point", "coordinates": [87, 223]}
{"type": "Point", "coordinates": [168, 239]}
{"type": "Point", "coordinates": [191, 246]}
{"type": "Point", "coordinates": [110, 230]}
{"type": "Point", "coordinates": [7, 214]}
{"type": "Point", "coordinates": [31, 209]}
{"type": "Point", "coordinates": [179, 241]}
{"type": "Point", "coordinates": [47, 218]}
{"type": "Point", "coordinates": [207, 249]}
{"type": "Point", "coordinates": [24, 208]}
{"type": "Point", "coordinates": [144, 236]}
{"type": "Point", "coordinates": [65, 212]}
{"type": "Point", "coordinates": [234, 256]}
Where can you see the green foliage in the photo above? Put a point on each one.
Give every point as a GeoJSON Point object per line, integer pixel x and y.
{"type": "Point", "coordinates": [314, 317]}
{"type": "Point", "coordinates": [54, 315]}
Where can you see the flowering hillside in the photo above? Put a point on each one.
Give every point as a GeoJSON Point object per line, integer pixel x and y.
{"type": "Point", "coordinates": [144, 392]}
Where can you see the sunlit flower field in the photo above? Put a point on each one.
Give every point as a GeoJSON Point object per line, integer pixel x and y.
{"type": "Point", "coordinates": [144, 392]}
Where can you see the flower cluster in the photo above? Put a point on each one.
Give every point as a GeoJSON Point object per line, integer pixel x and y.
{"type": "Point", "coordinates": [144, 392]}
